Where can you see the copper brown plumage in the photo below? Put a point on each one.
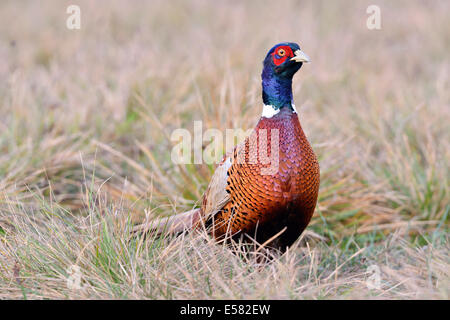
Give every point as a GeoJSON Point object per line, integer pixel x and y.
{"type": "Point", "coordinates": [268, 185]}
{"type": "Point", "coordinates": [261, 205]}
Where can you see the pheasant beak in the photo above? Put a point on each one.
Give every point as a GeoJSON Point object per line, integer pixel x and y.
{"type": "Point", "coordinates": [300, 56]}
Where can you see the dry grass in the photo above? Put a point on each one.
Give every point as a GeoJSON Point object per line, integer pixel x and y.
{"type": "Point", "coordinates": [85, 145]}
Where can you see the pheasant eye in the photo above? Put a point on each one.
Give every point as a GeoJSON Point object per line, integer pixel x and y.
{"type": "Point", "coordinates": [281, 52]}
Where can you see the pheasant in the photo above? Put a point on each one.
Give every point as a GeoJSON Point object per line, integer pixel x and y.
{"type": "Point", "coordinates": [267, 186]}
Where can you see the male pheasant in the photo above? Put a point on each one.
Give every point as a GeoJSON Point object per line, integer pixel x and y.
{"type": "Point", "coordinates": [267, 186]}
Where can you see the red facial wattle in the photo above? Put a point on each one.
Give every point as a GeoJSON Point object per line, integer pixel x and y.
{"type": "Point", "coordinates": [281, 53]}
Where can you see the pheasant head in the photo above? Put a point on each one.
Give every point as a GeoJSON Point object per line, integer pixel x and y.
{"type": "Point", "coordinates": [280, 65]}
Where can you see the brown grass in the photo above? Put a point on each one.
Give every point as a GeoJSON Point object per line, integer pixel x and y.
{"type": "Point", "coordinates": [85, 145]}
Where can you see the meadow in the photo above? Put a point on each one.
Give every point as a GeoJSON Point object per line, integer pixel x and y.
{"type": "Point", "coordinates": [85, 147]}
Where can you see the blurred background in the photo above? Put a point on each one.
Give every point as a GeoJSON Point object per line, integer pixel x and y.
{"type": "Point", "coordinates": [375, 103]}
{"type": "Point", "coordinates": [91, 111]}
